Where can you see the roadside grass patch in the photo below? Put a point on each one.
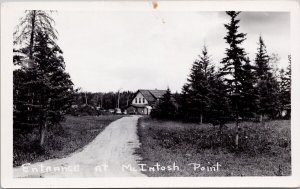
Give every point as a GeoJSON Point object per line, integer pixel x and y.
{"type": "Point", "coordinates": [264, 149]}
{"type": "Point", "coordinates": [71, 135]}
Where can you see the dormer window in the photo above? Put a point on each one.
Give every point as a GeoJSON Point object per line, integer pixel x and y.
{"type": "Point", "coordinates": [139, 100]}
{"type": "Point", "coordinates": [135, 100]}
{"type": "Point", "coordinates": [143, 100]}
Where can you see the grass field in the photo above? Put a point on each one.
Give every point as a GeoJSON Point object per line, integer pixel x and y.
{"type": "Point", "coordinates": [73, 134]}
{"type": "Point", "coordinates": [264, 149]}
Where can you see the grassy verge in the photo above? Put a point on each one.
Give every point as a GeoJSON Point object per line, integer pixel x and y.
{"type": "Point", "coordinates": [264, 149]}
{"type": "Point", "coordinates": [73, 134]}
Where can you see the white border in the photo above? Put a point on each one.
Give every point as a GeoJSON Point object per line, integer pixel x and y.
{"type": "Point", "coordinates": [7, 179]}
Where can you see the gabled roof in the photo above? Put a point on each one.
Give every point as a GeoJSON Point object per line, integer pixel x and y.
{"type": "Point", "coordinates": [151, 95]}
{"type": "Point", "coordinates": [147, 95]}
{"type": "Point", "coordinates": [158, 93]}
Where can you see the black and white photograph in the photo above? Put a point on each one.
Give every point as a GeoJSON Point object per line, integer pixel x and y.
{"type": "Point", "coordinates": [150, 92]}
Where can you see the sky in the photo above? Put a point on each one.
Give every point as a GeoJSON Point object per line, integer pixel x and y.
{"type": "Point", "coordinates": [107, 51]}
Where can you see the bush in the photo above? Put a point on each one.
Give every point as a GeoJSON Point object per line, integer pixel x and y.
{"type": "Point", "coordinates": [84, 110]}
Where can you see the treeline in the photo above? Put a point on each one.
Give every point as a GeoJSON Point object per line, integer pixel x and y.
{"type": "Point", "coordinates": [240, 89]}
{"type": "Point", "coordinates": [87, 103]}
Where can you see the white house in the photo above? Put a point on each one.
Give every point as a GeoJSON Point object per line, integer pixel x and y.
{"type": "Point", "coordinates": [144, 101]}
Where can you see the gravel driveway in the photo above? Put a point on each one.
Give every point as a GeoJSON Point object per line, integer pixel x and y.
{"type": "Point", "coordinates": [110, 154]}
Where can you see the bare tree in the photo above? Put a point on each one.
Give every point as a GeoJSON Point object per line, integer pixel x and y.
{"type": "Point", "coordinates": [30, 25]}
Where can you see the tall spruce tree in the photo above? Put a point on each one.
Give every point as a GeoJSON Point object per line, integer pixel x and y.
{"type": "Point", "coordinates": [267, 85]}
{"type": "Point", "coordinates": [232, 69]}
{"type": "Point", "coordinates": [199, 86]}
{"type": "Point", "coordinates": [203, 97]}
{"type": "Point", "coordinates": [262, 61]}
{"type": "Point", "coordinates": [235, 55]}
{"type": "Point", "coordinates": [42, 92]}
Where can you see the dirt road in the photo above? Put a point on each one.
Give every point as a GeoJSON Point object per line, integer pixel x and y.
{"type": "Point", "coordinates": [110, 154]}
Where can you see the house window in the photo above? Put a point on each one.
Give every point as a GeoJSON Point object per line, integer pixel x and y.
{"type": "Point", "coordinates": [139, 100]}
{"type": "Point", "coordinates": [143, 100]}
{"type": "Point", "coordinates": [135, 100]}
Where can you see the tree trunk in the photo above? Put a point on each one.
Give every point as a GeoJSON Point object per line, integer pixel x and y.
{"type": "Point", "coordinates": [237, 131]}
{"type": "Point", "coordinates": [201, 118]}
{"type": "Point", "coordinates": [85, 98]}
{"type": "Point", "coordinates": [32, 35]}
{"type": "Point", "coordinates": [237, 140]}
{"type": "Point", "coordinates": [43, 128]}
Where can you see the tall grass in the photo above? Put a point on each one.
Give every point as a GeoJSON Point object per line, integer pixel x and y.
{"type": "Point", "coordinates": [264, 148]}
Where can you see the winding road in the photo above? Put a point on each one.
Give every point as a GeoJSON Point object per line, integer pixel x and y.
{"type": "Point", "coordinates": [110, 154]}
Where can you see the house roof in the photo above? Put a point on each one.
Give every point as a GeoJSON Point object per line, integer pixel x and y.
{"type": "Point", "coordinates": [158, 93]}
{"type": "Point", "coordinates": [151, 95]}
{"type": "Point", "coordinates": [147, 95]}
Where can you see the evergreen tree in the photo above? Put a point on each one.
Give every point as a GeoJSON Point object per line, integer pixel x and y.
{"type": "Point", "coordinates": [199, 86]}
{"type": "Point", "coordinates": [235, 55]}
{"type": "Point", "coordinates": [219, 111]}
{"type": "Point", "coordinates": [232, 69]}
{"type": "Point", "coordinates": [262, 61]}
{"type": "Point", "coordinates": [249, 97]}
{"type": "Point", "coordinates": [185, 102]}
{"type": "Point", "coordinates": [166, 108]}
{"type": "Point", "coordinates": [204, 95]}
{"type": "Point", "coordinates": [42, 92]}
{"type": "Point", "coordinates": [267, 86]}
